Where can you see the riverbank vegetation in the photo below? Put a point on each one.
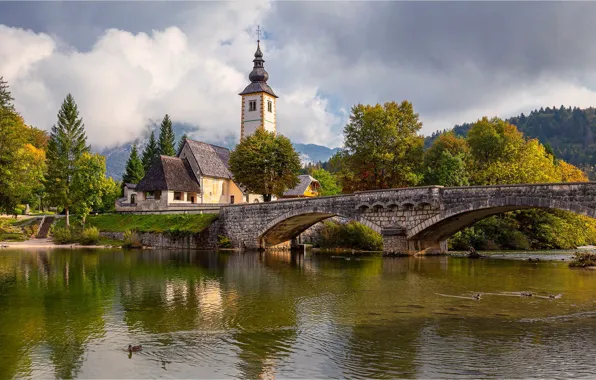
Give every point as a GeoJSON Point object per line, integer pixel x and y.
{"type": "Point", "coordinates": [350, 235]}
{"type": "Point", "coordinates": [583, 260]}
{"type": "Point", "coordinates": [155, 223]}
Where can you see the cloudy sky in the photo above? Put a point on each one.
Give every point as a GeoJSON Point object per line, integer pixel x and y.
{"type": "Point", "coordinates": [127, 63]}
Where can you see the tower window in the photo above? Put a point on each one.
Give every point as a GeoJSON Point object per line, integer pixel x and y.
{"type": "Point", "coordinates": [252, 105]}
{"type": "Point", "coordinates": [269, 106]}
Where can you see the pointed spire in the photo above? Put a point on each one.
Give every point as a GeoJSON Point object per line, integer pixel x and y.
{"type": "Point", "coordinates": [258, 73]}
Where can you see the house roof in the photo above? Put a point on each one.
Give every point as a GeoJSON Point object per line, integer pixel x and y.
{"type": "Point", "coordinates": [212, 159]}
{"type": "Point", "coordinates": [169, 173]}
{"type": "Point", "coordinates": [305, 181]}
{"type": "Point", "coordinates": [131, 185]}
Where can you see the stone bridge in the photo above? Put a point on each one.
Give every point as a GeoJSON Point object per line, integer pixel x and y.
{"type": "Point", "coordinates": [410, 220]}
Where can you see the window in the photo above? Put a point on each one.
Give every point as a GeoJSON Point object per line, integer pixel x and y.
{"type": "Point", "coordinates": [231, 199]}
{"type": "Point", "coordinates": [252, 105]}
{"type": "Point", "coordinates": [269, 106]}
{"type": "Point", "coordinates": [149, 195]}
{"type": "Point", "coordinates": [177, 196]}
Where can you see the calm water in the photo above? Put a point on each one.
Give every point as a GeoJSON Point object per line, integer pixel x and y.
{"type": "Point", "coordinates": [209, 315]}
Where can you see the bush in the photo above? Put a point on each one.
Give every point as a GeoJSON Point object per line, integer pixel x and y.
{"type": "Point", "coordinates": [132, 240]}
{"type": "Point", "coordinates": [350, 235]}
{"type": "Point", "coordinates": [90, 236]}
{"type": "Point", "coordinates": [223, 242]}
{"type": "Point", "coordinates": [63, 236]}
{"type": "Point", "coordinates": [583, 260]}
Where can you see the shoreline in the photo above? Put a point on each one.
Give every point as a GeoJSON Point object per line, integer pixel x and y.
{"type": "Point", "coordinates": [46, 243]}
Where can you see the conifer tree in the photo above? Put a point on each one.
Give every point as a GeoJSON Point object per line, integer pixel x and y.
{"type": "Point", "coordinates": [181, 142]}
{"type": "Point", "coordinates": [134, 167]}
{"type": "Point", "coordinates": [150, 153]}
{"type": "Point", "coordinates": [67, 144]}
{"type": "Point", "coordinates": [167, 140]}
{"type": "Point", "coordinates": [5, 96]}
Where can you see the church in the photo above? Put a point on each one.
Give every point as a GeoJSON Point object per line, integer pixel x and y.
{"type": "Point", "coordinates": [199, 176]}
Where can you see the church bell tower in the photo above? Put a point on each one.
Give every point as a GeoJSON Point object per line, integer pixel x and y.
{"type": "Point", "coordinates": [258, 99]}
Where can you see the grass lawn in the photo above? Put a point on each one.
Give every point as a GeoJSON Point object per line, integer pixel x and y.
{"type": "Point", "coordinates": [182, 223]}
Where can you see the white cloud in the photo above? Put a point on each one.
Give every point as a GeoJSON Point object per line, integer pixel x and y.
{"type": "Point", "coordinates": [126, 79]}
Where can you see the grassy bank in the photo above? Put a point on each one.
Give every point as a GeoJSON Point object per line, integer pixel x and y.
{"type": "Point", "coordinates": [173, 223]}
{"type": "Point", "coordinates": [17, 229]}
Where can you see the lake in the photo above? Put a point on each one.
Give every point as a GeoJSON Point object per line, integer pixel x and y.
{"type": "Point", "coordinates": [72, 313]}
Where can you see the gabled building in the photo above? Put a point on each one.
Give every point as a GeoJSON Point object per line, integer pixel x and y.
{"type": "Point", "coordinates": [306, 188]}
{"type": "Point", "coordinates": [199, 176]}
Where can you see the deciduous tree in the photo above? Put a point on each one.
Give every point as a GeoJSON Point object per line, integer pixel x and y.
{"type": "Point", "coordinates": [265, 164]}
{"type": "Point", "coordinates": [329, 185]}
{"type": "Point", "coordinates": [88, 184]}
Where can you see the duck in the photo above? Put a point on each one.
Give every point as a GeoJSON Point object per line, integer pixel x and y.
{"type": "Point", "coordinates": [526, 294]}
{"type": "Point", "coordinates": [132, 348]}
{"type": "Point", "coordinates": [477, 296]}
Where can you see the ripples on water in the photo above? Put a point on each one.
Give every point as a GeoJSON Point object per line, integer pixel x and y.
{"type": "Point", "coordinates": [209, 315]}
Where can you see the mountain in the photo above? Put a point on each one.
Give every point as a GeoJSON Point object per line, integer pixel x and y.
{"type": "Point", "coordinates": [116, 157]}
{"type": "Point", "coordinates": [570, 132]}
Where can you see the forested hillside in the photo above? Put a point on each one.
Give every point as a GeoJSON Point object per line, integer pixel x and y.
{"type": "Point", "coordinates": [570, 132]}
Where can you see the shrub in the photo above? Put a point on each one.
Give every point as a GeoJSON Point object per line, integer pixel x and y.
{"type": "Point", "coordinates": [132, 240]}
{"type": "Point", "coordinates": [223, 242]}
{"type": "Point", "coordinates": [63, 236]}
{"type": "Point", "coordinates": [90, 236]}
{"type": "Point", "coordinates": [350, 235]}
{"type": "Point", "coordinates": [583, 260]}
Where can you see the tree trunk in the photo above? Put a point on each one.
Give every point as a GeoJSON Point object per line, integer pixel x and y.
{"type": "Point", "coordinates": [67, 218]}
{"type": "Point", "coordinates": [267, 197]}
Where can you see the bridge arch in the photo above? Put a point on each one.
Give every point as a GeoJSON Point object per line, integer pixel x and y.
{"type": "Point", "coordinates": [454, 219]}
{"type": "Point", "coordinates": [294, 222]}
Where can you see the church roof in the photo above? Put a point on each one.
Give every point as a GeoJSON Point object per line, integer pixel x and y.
{"type": "Point", "coordinates": [169, 173]}
{"type": "Point", "coordinates": [258, 87]}
{"type": "Point", "coordinates": [212, 159]}
{"type": "Point", "coordinates": [305, 181]}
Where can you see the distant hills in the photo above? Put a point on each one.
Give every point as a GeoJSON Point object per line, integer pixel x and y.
{"type": "Point", "coordinates": [116, 157]}
{"type": "Point", "coordinates": [569, 131]}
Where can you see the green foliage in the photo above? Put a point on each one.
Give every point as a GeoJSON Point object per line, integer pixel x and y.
{"type": "Point", "coordinates": [329, 185]}
{"type": "Point", "coordinates": [351, 235]}
{"type": "Point", "coordinates": [132, 240]}
{"type": "Point", "coordinates": [186, 223]}
{"type": "Point", "coordinates": [167, 140]}
{"type": "Point", "coordinates": [382, 147]}
{"type": "Point", "coordinates": [22, 158]}
{"type": "Point", "coordinates": [90, 236]}
{"type": "Point", "coordinates": [112, 190]}
{"type": "Point", "coordinates": [63, 235]}
{"type": "Point", "coordinates": [583, 260]}
{"type": "Point", "coordinates": [447, 162]}
{"type": "Point", "coordinates": [10, 231]}
{"type": "Point", "coordinates": [67, 144]}
{"type": "Point", "coordinates": [150, 153]}
{"type": "Point", "coordinates": [134, 172]}
{"type": "Point", "coordinates": [265, 164]}
{"type": "Point", "coordinates": [223, 242]}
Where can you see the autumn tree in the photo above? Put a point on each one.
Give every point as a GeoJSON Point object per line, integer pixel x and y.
{"type": "Point", "coordinates": [134, 172]}
{"type": "Point", "coordinates": [167, 140]}
{"type": "Point", "coordinates": [265, 164]}
{"type": "Point", "coordinates": [68, 142]}
{"type": "Point", "coordinates": [150, 153]}
{"type": "Point", "coordinates": [382, 148]}
{"type": "Point", "coordinates": [22, 155]}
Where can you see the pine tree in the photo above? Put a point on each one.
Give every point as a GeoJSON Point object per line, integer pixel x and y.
{"type": "Point", "coordinates": [150, 153]}
{"type": "Point", "coordinates": [67, 144]}
{"type": "Point", "coordinates": [5, 96]}
{"type": "Point", "coordinates": [167, 140]}
{"type": "Point", "coordinates": [181, 143]}
{"type": "Point", "coordinates": [134, 167]}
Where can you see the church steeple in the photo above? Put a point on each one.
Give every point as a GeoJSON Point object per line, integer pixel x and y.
{"type": "Point", "coordinates": [258, 99]}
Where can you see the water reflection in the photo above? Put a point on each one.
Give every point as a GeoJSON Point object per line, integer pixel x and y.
{"type": "Point", "coordinates": [255, 315]}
